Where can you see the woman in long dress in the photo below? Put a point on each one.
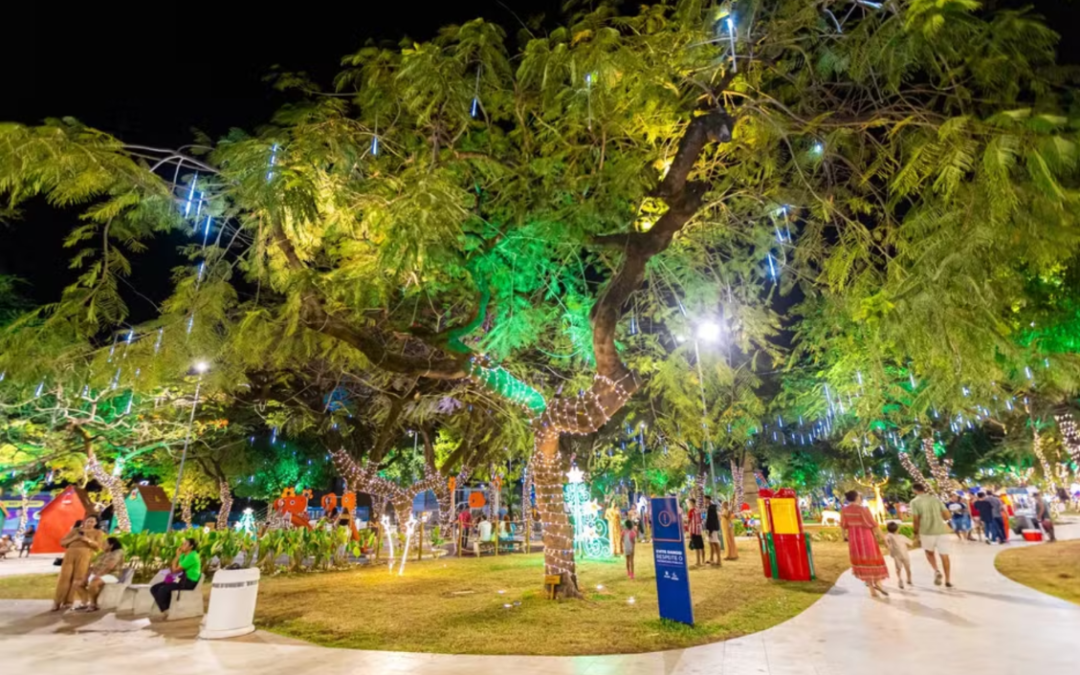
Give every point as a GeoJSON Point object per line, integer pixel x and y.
{"type": "Point", "coordinates": [727, 531]}
{"type": "Point", "coordinates": [864, 537]}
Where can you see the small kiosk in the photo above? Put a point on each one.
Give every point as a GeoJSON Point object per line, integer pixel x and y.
{"type": "Point", "coordinates": [58, 517]}
{"type": "Point", "coordinates": [148, 508]}
{"type": "Point", "coordinates": [785, 548]}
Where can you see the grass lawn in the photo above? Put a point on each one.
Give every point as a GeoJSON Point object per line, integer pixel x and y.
{"type": "Point", "coordinates": [28, 587]}
{"type": "Point", "coordinates": [454, 605]}
{"type": "Point", "coordinates": [1053, 569]}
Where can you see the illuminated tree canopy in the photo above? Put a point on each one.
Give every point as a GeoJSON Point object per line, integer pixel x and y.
{"type": "Point", "coordinates": [510, 238]}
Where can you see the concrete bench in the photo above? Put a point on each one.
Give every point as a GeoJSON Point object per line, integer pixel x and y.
{"type": "Point", "coordinates": [112, 594]}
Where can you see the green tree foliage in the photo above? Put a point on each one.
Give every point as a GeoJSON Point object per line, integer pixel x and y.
{"type": "Point", "coordinates": [487, 222]}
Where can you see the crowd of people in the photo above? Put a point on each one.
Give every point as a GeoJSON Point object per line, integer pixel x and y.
{"type": "Point", "coordinates": [984, 516]}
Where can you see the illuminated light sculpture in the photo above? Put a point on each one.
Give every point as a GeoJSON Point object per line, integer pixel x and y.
{"type": "Point", "coordinates": [877, 507]}
{"type": "Point", "coordinates": [389, 540]}
{"type": "Point", "coordinates": [590, 530]}
{"type": "Point", "coordinates": [247, 522]}
{"type": "Point", "coordinates": [1069, 436]}
{"type": "Point", "coordinates": [409, 527]}
{"type": "Point", "coordinates": [1048, 473]}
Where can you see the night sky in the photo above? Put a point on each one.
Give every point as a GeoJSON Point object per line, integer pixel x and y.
{"type": "Point", "coordinates": [151, 75]}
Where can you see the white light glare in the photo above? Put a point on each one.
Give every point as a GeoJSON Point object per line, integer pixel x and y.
{"type": "Point", "coordinates": [708, 331]}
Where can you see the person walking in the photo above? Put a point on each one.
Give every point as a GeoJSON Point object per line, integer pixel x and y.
{"type": "Point", "coordinates": [27, 541]}
{"type": "Point", "coordinates": [984, 515]}
{"type": "Point", "coordinates": [997, 522]}
{"type": "Point", "coordinates": [727, 531]}
{"type": "Point", "coordinates": [693, 528]}
{"type": "Point", "coordinates": [184, 575]}
{"type": "Point", "coordinates": [712, 531]}
{"type": "Point", "coordinates": [80, 544]}
{"type": "Point", "coordinates": [898, 546]}
{"type": "Point", "coordinates": [958, 513]}
{"type": "Point", "coordinates": [929, 516]}
{"type": "Point", "coordinates": [864, 537]}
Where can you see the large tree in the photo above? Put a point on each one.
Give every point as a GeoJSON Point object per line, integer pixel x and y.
{"type": "Point", "coordinates": [471, 209]}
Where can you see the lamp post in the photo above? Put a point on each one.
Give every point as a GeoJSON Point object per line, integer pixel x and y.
{"type": "Point", "coordinates": [201, 367]}
{"type": "Point", "coordinates": [707, 331]}
{"type": "Point", "coordinates": [644, 464]}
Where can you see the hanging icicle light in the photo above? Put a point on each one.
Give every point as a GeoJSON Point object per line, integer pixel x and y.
{"type": "Point", "coordinates": [475, 108]}
{"type": "Point", "coordinates": [273, 160]}
{"type": "Point", "coordinates": [730, 22]}
{"type": "Point", "coordinates": [191, 196]}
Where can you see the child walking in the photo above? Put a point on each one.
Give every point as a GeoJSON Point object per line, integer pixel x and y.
{"type": "Point", "coordinates": [898, 546]}
{"type": "Point", "coordinates": [629, 538]}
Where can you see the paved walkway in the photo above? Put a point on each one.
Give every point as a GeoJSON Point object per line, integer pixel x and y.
{"type": "Point", "coordinates": [34, 564]}
{"type": "Point", "coordinates": [987, 625]}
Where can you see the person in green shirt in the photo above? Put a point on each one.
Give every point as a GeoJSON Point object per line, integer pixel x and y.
{"type": "Point", "coordinates": [929, 516]}
{"type": "Point", "coordinates": [184, 574]}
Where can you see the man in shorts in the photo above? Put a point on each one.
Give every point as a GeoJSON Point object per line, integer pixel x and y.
{"type": "Point", "coordinates": [929, 516]}
{"type": "Point", "coordinates": [693, 528]}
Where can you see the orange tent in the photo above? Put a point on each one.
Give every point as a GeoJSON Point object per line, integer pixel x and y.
{"type": "Point", "coordinates": [57, 518]}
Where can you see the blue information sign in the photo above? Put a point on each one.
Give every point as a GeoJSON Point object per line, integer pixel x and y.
{"type": "Point", "coordinates": [669, 553]}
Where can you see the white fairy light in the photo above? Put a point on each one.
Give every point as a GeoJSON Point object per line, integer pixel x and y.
{"type": "Point", "coordinates": [389, 540]}
{"type": "Point", "coordinates": [409, 527]}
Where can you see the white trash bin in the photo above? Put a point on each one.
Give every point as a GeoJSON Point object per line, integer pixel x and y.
{"type": "Point", "coordinates": [232, 604]}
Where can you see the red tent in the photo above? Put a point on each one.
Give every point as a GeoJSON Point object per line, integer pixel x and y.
{"type": "Point", "coordinates": [57, 518]}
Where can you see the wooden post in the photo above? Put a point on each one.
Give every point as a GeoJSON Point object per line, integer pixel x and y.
{"type": "Point", "coordinates": [457, 547]}
{"type": "Point", "coordinates": [378, 539]}
{"type": "Point", "coordinates": [420, 541]}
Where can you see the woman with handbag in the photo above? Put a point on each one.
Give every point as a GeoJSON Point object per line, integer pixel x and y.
{"type": "Point", "coordinates": [184, 575]}
{"type": "Point", "coordinates": [81, 544]}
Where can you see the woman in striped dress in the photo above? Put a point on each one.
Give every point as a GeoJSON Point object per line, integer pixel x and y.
{"type": "Point", "coordinates": [864, 537]}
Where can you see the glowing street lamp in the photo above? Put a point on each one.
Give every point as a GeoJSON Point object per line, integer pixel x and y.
{"type": "Point", "coordinates": [200, 367]}
{"type": "Point", "coordinates": [709, 331]}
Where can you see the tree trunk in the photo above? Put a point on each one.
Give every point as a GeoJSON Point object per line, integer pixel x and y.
{"type": "Point", "coordinates": [225, 494]}
{"type": "Point", "coordinates": [697, 493]}
{"type": "Point", "coordinates": [185, 510]}
{"type": "Point", "coordinates": [24, 515]}
{"type": "Point", "coordinates": [115, 487]}
{"type": "Point", "coordinates": [738, 494]}
{"type": "Point", "coordinates": [547, 476]}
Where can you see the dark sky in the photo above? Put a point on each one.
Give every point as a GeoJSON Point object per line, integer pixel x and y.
{"type": "Point", "coordinates": [150, 78]}
{"type": "Point", "coordinates": [149, 75]}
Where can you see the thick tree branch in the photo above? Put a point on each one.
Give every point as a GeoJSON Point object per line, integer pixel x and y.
{"type": "Point", "coordinates": [614, 383]}
{"type": "Point", "coordinates": [376, 346]}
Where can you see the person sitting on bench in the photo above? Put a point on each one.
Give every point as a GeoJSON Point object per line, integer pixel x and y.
{"type": "Point", "coordinates": [184, 574]}
{"type": "Point", "coordinates": [106, 569]}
